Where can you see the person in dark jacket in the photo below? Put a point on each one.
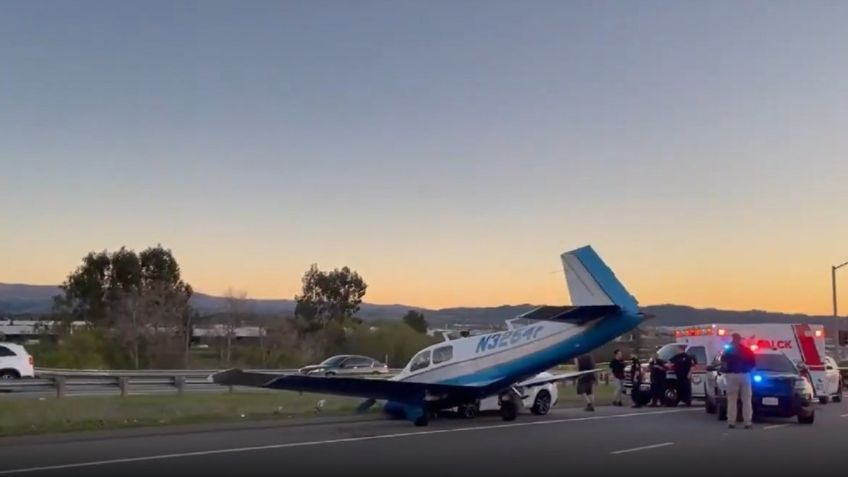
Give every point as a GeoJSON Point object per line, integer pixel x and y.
{"type": "Point", "coordinates": [617, 368]}
{"type": "Point", "coordinates": [658, 372]}
{"type": "Point", "coordinates": [586, 382]}
{"type": "Point", "coordinates": [683, 363]}
{"type": "Point", "coordinates": [737, 362]}
{"type": "Point", "coordinates": [635, 380]}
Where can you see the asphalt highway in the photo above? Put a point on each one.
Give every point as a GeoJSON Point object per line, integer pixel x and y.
{"type": "Point", "coordinates": [679, 441]}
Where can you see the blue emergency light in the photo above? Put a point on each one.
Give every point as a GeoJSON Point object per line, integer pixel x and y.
{"type": "Point", "coordinates": [758, 378]}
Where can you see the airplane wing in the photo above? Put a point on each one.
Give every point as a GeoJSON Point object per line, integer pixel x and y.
{"type": "Point", "coordinates": [383, 389]}
{"type": "Point", "coordinates": [556, 377]}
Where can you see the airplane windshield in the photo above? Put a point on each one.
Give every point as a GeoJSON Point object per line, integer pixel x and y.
{"type": "Point", "coordinates": [420, 361]}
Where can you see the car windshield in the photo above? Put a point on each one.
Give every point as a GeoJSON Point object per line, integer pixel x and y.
{"type": "Point", "coordinates": [334, 361]}
{"type": "Point", "coordinates": [774, 362]}
{"type": "Point", "coordinates": [669, 351]}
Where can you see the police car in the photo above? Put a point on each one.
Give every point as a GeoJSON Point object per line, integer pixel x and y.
{"type": "Point", "coordinates": [780, 388]}
{"type": "Point", "coordinates": [801, 342]}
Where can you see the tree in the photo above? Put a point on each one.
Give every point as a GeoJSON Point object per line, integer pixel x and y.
{"type": "Point", "coordinates": [140, 299]}
{"type": "Point", "coordinates": [416, 321]}
{"type": "Point", "coordinates": [236, 314]}
{"type": "Point", "coordinates": [328, 297]}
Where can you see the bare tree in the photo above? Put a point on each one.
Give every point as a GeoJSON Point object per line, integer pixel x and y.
{"type": "Point", "coordinates": [236, 314]}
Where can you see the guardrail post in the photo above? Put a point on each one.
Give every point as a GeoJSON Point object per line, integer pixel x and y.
{"type": "Point", "coordinates": [124, 384]}
{"type": "Point", "coordinates": [179, 383]}
{"type": "Point", "coordinates": [59, 381]}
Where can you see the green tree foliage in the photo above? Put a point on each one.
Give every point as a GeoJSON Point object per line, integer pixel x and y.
{"type": "Point", "coordinates": [416, 321]}
{"type": "Point", "coordinates": [393, 340]}
{"type": "Point", "coordinates": [140, 300]}
{"type": "Point", "coordinates": [327, 297]}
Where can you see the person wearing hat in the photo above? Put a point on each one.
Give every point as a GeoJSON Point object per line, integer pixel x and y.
{"type": "Point", "coordinates": [737, 362]}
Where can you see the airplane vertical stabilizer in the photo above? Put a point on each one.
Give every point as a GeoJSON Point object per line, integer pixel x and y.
{"type": "Point", "coordinates": [591, 282]}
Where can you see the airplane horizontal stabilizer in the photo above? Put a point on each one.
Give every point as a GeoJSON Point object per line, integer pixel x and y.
{"type": "Point", "coordinates": [577, 315]}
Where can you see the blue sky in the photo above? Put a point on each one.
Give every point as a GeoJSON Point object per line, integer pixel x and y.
{"type": "Point", "coordinates": [448, 150]}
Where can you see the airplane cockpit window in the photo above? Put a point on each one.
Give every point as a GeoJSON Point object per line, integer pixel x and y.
{"type": "Point", "coordinates": [440, 355]}
{"type": "Point", "coordinates": [420, 361]}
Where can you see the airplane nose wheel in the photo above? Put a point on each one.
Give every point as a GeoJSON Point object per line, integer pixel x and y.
{"type": "Point", "coordinates": [509, 406]}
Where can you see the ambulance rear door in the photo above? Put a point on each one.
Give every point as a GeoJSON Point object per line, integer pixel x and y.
{"type": "Point", "coordinates": [810, 344]}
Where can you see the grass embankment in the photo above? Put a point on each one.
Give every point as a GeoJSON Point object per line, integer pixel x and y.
{"type": "Point", "coordinates": [40, 416]}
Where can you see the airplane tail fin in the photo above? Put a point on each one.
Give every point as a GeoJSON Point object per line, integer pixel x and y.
{"type": "Point", "coordinates": [591, 282]}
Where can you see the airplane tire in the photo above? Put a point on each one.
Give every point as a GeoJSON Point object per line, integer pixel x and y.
{"type": "Point", "coordinates": [423, 420]}
{"type": "Point", "coordinates": [469, 411]}
{"type": "Point", "coordinates": [509, 410]}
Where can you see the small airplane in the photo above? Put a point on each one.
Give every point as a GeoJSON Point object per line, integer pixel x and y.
{"type": "Point", "coordinates": [465, 370]}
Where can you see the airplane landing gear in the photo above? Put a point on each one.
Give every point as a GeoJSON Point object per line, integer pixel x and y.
{"type": "Point", "coordinates": [509, 404]}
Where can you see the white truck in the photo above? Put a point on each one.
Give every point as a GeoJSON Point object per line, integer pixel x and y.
{"type": "Point", "coordinates": [802, 343]}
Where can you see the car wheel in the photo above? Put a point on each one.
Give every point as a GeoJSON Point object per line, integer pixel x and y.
{"type": "Point", "coordinates": [9, 374]}
{"type": "Point", "coordinates": [808, 419]}
{"type": "Point", "coordinates": [671, 399]}
{"type": "Point", "coordinates": [542, 404]}
{"type": "Point", "coordinates": [710, 406]}
{"type": "Point", "coordinates": [838, 396]}
{"type": "Point", "coordinates": [422, 420]}
{"type": "Point", "coordinates": [824, 400]}
{"type": "Point", "coordinates": [329, 373]}
{"type": "Point", "coordinates": [722, 411]}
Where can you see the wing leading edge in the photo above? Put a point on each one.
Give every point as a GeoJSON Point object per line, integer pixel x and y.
{"type": "Point", "coordinates": [400, 391]}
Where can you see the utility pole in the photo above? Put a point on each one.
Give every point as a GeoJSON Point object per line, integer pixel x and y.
{"type": "Point", "coordinates": [833, 270]}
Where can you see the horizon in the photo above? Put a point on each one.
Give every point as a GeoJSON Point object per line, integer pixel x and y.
{"type": "Point", "coordinates": [448, 152]}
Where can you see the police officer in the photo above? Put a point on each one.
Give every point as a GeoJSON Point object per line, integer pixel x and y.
{"type": "Point", "coordinates": [737, 362]}
{"type": "Point", "coordinates": [658, 372]}
{"type": "Point", "coordinates": [683, 363]}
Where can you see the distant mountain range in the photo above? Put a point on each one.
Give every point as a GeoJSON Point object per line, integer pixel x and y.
{"type": "Point", "coordinates": [37, 299]}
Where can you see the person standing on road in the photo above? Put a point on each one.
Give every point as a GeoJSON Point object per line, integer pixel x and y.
{"type": "Point", "coordinates": [683, 363]}
{"type": "Point", "coordinates": [617, 368]}
{"type": "Point", "coordinates": [635, 380]}
{"type": "Point", "coordinates": [737, 362]}
{"type": "Point", "coordinates": [586, 382]}
{"type": "Point", "coordinates": [658, 372]}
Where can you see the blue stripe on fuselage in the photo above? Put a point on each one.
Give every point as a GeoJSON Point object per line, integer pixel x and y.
{"type": "Point", "coordinates": [603, 331]}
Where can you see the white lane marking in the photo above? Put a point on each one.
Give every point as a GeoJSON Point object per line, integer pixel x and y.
{"type": "Point", "coordinates": [844, 415]}
{"type": "Point", "coordinates": [637, 449]}
{"type": "Point", "coordinates": [775, 426]}
{"type": "Point", "coordinates": [326, 442]}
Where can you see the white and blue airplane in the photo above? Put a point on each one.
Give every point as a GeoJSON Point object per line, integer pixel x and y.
{"type": "Point", "coordinates": [463, 371]}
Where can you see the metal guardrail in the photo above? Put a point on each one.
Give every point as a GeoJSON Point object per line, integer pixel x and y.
{"type": "Point", "coordinates": [61, 382]}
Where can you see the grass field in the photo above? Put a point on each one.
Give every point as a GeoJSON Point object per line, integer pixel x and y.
{"type": "Point", "coordinates": [49, 415]}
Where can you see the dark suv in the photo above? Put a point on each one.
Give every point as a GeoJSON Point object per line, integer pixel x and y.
{"type": "Point", "coordinates": [779, 388]}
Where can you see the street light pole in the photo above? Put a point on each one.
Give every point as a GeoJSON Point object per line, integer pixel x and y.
{"type": "Point", "coordinates": [833, 270]}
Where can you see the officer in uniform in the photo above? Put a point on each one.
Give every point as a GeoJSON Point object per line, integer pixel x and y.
{"type": "Point", "coordinates": [683, 363]}
{"type": "Point", "coordinates": [737, 362]}
{"type": "Point", "coordinates": [658, 372]}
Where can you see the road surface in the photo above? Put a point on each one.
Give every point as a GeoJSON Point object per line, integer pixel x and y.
{"type": "Point", "coordinates": [681, 441]}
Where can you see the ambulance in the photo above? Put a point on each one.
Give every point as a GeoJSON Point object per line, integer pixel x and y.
{"type": "Point", "coordinates": [802, 343]}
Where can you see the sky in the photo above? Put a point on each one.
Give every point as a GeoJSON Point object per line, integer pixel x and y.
{"type": "Point", "coordinates": [448, 151]}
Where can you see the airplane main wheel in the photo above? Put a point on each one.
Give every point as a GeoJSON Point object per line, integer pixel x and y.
{"type": "Point", "coordinates": [422, 420]}
{"type": "Point", "coordinates": [509, 410]}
